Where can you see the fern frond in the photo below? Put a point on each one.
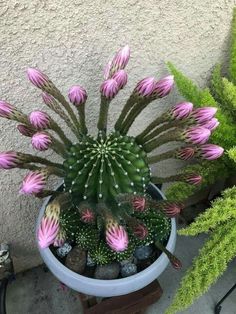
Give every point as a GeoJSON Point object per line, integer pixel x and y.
{"type": "Point", "coordinates": [211, 262]}
{"type": "Point", "coordinates": [222, 209]}
{"type": "Point", "coordinates": [232, 153]}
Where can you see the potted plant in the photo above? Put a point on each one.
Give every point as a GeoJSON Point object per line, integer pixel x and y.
{"type": "Point", "coordinates": [104, 231]}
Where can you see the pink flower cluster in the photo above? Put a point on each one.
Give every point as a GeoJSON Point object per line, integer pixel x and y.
{"type": "Point", "coordinates": [115, 76]}
{"type": "Point", "coordinates": [148, 87]}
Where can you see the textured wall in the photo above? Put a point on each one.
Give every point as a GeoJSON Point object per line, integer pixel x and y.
{"type": "Point", "coordinates": [71, 40]}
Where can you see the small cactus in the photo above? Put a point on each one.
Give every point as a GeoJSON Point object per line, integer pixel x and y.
{"type": "Point", "coordinates": [101, 254]}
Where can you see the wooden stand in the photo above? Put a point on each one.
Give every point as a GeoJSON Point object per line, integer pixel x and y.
{"type": "Point", "coordinates": [133, 303]}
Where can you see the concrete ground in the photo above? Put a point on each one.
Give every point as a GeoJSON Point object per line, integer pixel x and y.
{"type": "Point", "coordinates": [37, 292]}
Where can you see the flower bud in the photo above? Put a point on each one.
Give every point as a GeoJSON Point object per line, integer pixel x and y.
{"type": "Point", "coordinates": [116, 237]}
{"type": "Point", "coordinates": [140, 231]}
{"type": "Point", "coordinates": [204, 114]}
{"type": "Point", "coordinates": [211, 124]}
{"type": "Point", "coordinates": [185, 153]}
{"type": "Point", "coordinates": [25, 130]}
{"type": "Point", "coordinates": [87, 215]}
{"type": "Point", "coordinates": [38, 78]}
{"type": "Point", "coordinates": [39, 119]}
{"type": "Point", "coordinates": [175, 262]}
{"type": "Point", "coordinates": [47, 232]}
{"type": "Point", "coordinates": [109, 88]}
{"type": "Point", "coordinates": [48, 99]}
{"type": "Point", "coordinates": [77, 95]}
{"type": "Point", "coordinates": [197, 135]}
{"type": "Point", "coordinates": [41, 141]}
{"type": "Point", "coordinates": [139, 203]}
{"type": "Point", "coordinates": [193, 179]}
{"type": "Point", "coordinates": [181, 110]}
{"type": "Point", "coordinates": [121, 59]}
{"type": "Point", "coordinates": [107, 69]}
{"type": "Point", "coordinates": [145, 87]}
{"type": "Point", "coordinates": [210, 151]}
{"type": "Point", "coordinates": [8, 160]}
{"type": "Point", "coordinates": [171, 209]}
{"type": "Point", "coordinates": [34, 182]}
{"type": "Point", "coordinates": [6, 109]}
{"type": "Point", "coordinates": [121, 78]}
{"type": "Point", "coordinates": [163, 87]}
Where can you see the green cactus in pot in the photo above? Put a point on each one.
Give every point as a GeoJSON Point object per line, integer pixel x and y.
{"type": "Point", "coordinates": [103, 205]}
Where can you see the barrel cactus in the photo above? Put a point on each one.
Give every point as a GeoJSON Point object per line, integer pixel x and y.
{"type": "Point", "coordinates": [103, 205]}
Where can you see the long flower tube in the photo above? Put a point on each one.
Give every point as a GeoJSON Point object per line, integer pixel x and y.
{"type": "Point", "coordinates": [157, 131]}
{"type": "Point", "coordinates": [127, 107]}
{"type": "Point", "coordinates": [53, 105]}
{"type": "Point", "coordinates": [103, 114]}
{"type": "Point", "coordinates": [175, 262]}
{"type": "Point", "coordinates": [159, 89]}
{"type": "Point", "coordinates": [43, 82]}
{"type": "Point", "coordinates": [41, 120]}
{"type": "Point", "coordinates": [78, 96]}
{"type": "Point", "coordinates": [11, 159]}
{"type": "Point", "coordinates": [10, 112]}
{"type": "Point", "coordinates": [193, 135]}
{"type": "Point", "coordinates": [184, 153]}
{"type": "Point", "coordinates": [180, 112]}
{"type": "Point", "coordinates": [190, 178]}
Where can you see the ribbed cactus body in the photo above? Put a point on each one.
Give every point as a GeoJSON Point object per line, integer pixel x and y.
{"type": "Point", "coordinates": [100, 169]}
{"type": "Point", "coordinates": [70, 222]}
{"type": "Point", "coordinates": [158, 226]}
{"type": "Point", "coordinates": [87, 237]}
{"type": "Point", "coordinates": [101, 254]}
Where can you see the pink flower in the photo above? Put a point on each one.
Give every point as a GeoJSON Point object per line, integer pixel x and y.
{"type": "Point", "coordinates": [87, 215]}
{"type": "Point", "coordinates": [145, 87]}
{"type": "Point", "coordinates": [60, 239]}
{"type": "Point", "coordinates": [163, 87]}
{"type": "Point", "coordinates": [140, 231]}
{"type": "Point", "coordinates": [6, 109]}
{"type": "Point", "coordinates": [171, 209]}
{"type": "Point", "coordinates": [181, 110]}
{"type": "Point", "coordinates": [107, 69]}
{"type": "Point", "coordinates": [139, 203]}
{"type": "Point", "coordinates": [33, 183]}
{"type": "Point", "coordinates": [8, 160]}
{"type": "Point", "coordinates": [48, 99]}
{"type": "Point", "coordinates": [41, 141]}
{"type": "Point", "coordinates": [25, 130]}
{"type": "Point", "coordinates": [185, 153]}
{"type": "Point", "coordinates": [211, 124]}
{"type": "Point", "coordinates": [109, 88]}
{"type": "Point", "coordinates": [121, 78]}
{"type": "Point", "coordinates": [121, 59]}
{"type": "Point", "coordinates": [39, 119]}
{"type": "Point", "coordinates": [47, 232]}
{"type": "Point", "coordinates": [210, 151]}
{"type": "Point", "coordinates": [204, 114]}
{"type": "Point", "coordinates": [197, 135]}
{"type": "Point", "coordinates": [193, 179]}
{"type": "Point", "coordinates": [117, 238]}
{"type": "Point", "coordinates": [77, 95]}
{"type": "Point", "coordinates": [37, 78]}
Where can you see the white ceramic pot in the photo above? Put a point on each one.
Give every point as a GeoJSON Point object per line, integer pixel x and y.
{"type": "Point", "coordinates": [109, 288]}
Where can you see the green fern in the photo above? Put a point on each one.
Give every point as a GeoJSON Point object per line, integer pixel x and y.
{"type": "Point", "coordinates": [211, 262]}
{"type": "Point", "coordinates": [232, 154]}
{"type": "Point", "coordinates": [222, 210]}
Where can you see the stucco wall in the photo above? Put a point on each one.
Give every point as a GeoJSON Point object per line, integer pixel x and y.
{"type": "Point", "coordinates": [71, 40]}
